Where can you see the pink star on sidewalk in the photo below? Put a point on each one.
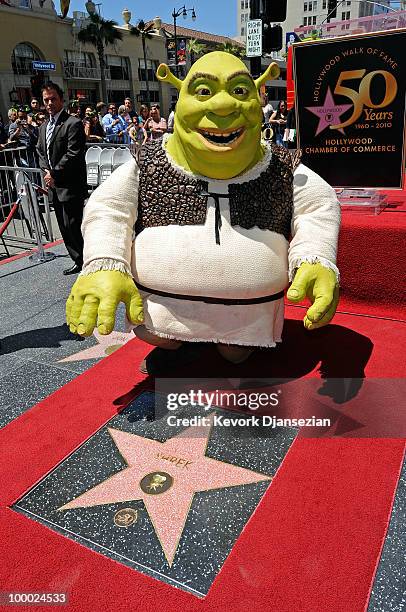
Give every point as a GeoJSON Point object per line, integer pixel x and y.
{"type": "Point", "coordinates": [165, 476]}
{"type": "Point", "coordinates": [106, 345]}
{"type": "Point", "coordinates": [328, 114]}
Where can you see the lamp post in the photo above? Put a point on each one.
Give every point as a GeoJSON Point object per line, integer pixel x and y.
{"type": "Point", "coordinates": [176, 13]}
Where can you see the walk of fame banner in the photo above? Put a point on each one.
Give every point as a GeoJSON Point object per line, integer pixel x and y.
{"type": "Point", "coordinates": [350, 101]}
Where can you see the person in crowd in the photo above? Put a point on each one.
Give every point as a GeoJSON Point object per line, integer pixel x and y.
{"type": "Point", "coordinates": [74, 108]}
{"type": "Point", "coordinates": [24, 134]}
{"type": "Point", "coordinates": [112, 124]}
{"type": "Point", "coordinates": [278, 122]}
{"type": "Point", "coordinates": [156, 125]}
{"type": "Point", "coordinates": [34, 107]}
{"type": "Point", "coordinates": [171, 118]}
{"type": "Point", "coordinates": [38, 119]}
{"type": "Point", "coordinates": [12, 116]}
{"type": "Point", "coordinates": [93, 130]}
{"type": "Point", "coordinates": [144, 114]}
{"type": "Point", "coordinates": [129, 108]}
{"type": "Point", "coordinates": [61, 149]}
{"type": "Point", "coordinates": [290, 130]}
{"type": "Point", "coordinates": [101, 108]}
{"type": "Point", "coordinates": [125, 124]}
{"type": "Point", "coordinates": [137, 132]}
{"type": "Point", "coordinates": [88, 110]}
{"type": "Point", "coordinates": [267, 109]}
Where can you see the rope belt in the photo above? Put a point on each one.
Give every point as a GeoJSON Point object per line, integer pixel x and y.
{"type": "Point", "coordinates": [213, 300]}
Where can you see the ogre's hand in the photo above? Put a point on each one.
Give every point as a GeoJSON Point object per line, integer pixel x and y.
{"type": "Point", "coordinates": [320, 285]}
{"type": "Point", "coordinates": [94, 298]}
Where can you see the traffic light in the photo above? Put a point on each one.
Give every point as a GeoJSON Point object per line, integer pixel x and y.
{"type": "Point", "coordinates": [271, 38]}
{"type": "Point", "coordinates": [274, 11]}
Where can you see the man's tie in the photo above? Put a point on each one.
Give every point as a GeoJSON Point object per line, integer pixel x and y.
{"type": "Point", "coordinates": [49, 132]}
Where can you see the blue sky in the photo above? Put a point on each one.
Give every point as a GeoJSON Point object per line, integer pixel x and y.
{"type": "Point", "coordinates": [215, 16]}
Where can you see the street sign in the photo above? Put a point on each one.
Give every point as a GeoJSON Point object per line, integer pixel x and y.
{"type": "Point", "coordinates": [254, 38]}
{"type": "Point", "coordinates": [43, 66]}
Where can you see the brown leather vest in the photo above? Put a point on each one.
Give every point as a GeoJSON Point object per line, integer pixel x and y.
{"type": "Point", "coordinates": [167, 196]}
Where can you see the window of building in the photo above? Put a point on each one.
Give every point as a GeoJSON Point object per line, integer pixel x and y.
{"type": "Point", "coordinates": [243, 31]}
{"type": "Point", "coordinates": [345, 15]}
{"type": "Point", "coordinates": [119, 67]}
{"type": "Point", "coordinates": [247, 4]}
{"type": "Point", "coordinates": [118, 95]}
{"type": "Point", "coordinates": [314, 19]}
{"type": "Point", "coordinates": [152, 65]}
{"type": "Point", "coordinates": [85, 96]}
{"type": "Point", "coordinates": [22, 58]}
{"type": "Point", "coordinates": [153, 96]}
{"type": "Point", "coordinates": [81, 60]}
{"type": "Point", "coordinates": [324, 4]}
{"type": "Point", "coordinates": [315, 6]}
{"type": "Point", "coordinates": [310, 6]}
{"type": "Point", "coordinates": [305, 7]}
{"type": "Point", "coordinates": [242, 4]}
{"type": "Point", "coordinates": [305, 21]}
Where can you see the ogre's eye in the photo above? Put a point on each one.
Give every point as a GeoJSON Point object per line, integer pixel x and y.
{"type": "Point", "coordinates": [240, 91]}
{"type": "Point", "coordinates": [203, 91]}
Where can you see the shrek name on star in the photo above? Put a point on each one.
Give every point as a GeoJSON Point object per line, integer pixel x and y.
{"type": "Point", "coordinates": [201, 233]}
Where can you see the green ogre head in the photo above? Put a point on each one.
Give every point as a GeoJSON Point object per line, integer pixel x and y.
{"type": "Point", "coordinates": [218, 117]}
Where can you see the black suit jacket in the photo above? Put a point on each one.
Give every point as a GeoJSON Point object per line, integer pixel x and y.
{"type": "Point", "coordinates": [66, 161]}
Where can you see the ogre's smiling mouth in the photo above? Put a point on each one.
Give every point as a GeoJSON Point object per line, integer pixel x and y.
{"type": "Point", "coordinates": [222, 138]}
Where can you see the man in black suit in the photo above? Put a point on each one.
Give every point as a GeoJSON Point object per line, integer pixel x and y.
{"type": "Point", "coordinates": [61, 151]}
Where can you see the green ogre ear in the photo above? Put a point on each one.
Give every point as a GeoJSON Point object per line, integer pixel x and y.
{"type": "Point", "coordinates": [271, 73]}
{"type": "Point", "coordinates": [164, 73]}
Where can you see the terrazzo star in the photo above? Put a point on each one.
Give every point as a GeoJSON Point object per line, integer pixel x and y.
{"type": "Point", "coordinates": [212, 210]}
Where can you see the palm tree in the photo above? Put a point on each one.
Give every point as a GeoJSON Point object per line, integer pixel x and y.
{"type": "Point", "coordinates": [100, 33]}
{"type": "Point", "coordinates": [195, 48]}
{"type": "Point", "coordinates": [228, 47]}
{"type": "Point", "coordinates": [145, 32]}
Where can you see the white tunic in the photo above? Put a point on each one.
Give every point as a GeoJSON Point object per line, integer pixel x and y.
{"type": "Point", "coordinates": [186, 259]}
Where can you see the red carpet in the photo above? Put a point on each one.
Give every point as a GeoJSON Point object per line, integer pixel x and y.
{"type": "Point", "coordinates": [372, 260]}
{"type": "Point", "coordinates": [315, 539]}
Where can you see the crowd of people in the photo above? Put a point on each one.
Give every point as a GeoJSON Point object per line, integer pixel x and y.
{"type": "Point", "coordinates": [54, 135]}
{"type": "Point", "coordinates": [123, 124]}
{"type": "Point", "coordinates": [117, 124]}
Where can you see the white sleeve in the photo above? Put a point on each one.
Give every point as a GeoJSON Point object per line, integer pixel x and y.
{"type": "Point", "coordinates": [108, 221]}
{"type": "Point", "coordinates": [315, 222]}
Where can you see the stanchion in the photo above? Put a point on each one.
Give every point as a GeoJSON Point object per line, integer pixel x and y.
{"type": "Point", "coordinates": [40, 256]}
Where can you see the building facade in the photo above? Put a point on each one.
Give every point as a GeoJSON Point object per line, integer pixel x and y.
{"type": "Point", "coordinates": [34, 33]}
{"type": "Point", "coordinates": [312, 13]}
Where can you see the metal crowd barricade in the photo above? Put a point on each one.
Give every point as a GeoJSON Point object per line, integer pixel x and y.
{"type": "Point", "coordinates": [25, 216]}
{"type": "Point", "coordinates": [103, 158]}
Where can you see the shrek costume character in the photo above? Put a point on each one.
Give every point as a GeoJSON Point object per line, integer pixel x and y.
{"type": "Point", "coordinates": [202, 222]}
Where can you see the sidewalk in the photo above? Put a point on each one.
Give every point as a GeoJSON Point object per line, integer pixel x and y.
{"type": "Point", "coordinates": [34, 337]}
{"type": "Point", "coordinates": [38, 355]}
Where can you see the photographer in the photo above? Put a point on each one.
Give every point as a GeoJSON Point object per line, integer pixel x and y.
{"type": "Point", "coordinates": [24, 134]}
{"type": "Point", "coordinates": [112, 125]}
